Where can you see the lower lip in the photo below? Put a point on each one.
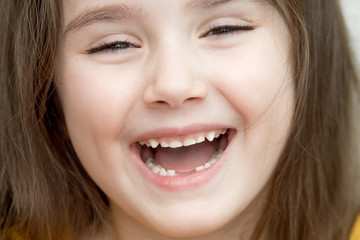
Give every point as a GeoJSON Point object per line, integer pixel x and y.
{"type": "Point", "coordinates": [178, 183]}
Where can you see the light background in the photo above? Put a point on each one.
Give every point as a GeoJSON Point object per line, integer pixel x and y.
{"type": "Point", "coordinates": [352, 15]}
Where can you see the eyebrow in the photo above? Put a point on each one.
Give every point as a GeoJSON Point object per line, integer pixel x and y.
{"type": "Point", "coordinates": [121, 11]}
{"type": "Point", "coordinates": [108, 13]}
{"type": "Point", "coordinates": [205, 4]}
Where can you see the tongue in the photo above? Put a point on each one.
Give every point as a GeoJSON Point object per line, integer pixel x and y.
{"type": "Point", "coordinates": [185, 158]}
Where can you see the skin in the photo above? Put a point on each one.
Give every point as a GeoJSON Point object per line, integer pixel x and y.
{"type": "Point", "coordinates": [176, 74]}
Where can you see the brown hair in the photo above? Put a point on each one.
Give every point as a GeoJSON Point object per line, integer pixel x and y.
{"type": "Point", "coordinates": [44, 190]}
{"type": "Point", "coordinates": [312, 194]}
{"type": "Point", "coordinates": [46, 193]}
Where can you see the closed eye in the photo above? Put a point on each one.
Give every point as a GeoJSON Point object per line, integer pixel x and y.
{"type": "Point", "coordinates": [112, 47]}
{"type": "Point", "coordinates": [226, 29]}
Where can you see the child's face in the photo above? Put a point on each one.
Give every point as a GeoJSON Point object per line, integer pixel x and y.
{"type": "Point", "coordinates": [174, 71]}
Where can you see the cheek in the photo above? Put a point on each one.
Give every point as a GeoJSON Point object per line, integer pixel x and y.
{"type": "Point", "coordinates": [256, 78]}
{"type": "Point", "coordinates": [96, 98]}
{"type": "Point", "coordinates": [253, 76]}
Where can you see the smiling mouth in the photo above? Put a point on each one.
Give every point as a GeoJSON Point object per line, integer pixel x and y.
{"type": "Point", "coordinates": [184, 155]}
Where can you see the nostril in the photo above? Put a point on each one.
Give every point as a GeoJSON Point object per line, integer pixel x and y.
{"type": "Point", "coordinates": [174, 94]}
{"type": "Point", "coordinates": [160, 102]}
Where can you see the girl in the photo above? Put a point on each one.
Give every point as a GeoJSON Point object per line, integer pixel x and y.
{"type": "Point", "coordinates": [186, 119]}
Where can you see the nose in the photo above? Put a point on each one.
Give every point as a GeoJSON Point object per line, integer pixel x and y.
{"type": "Point", "coordinates": [172, 82]}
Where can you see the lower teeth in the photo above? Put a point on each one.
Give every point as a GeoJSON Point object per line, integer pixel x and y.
{"type": "Point", "coordinates": [157, 169]}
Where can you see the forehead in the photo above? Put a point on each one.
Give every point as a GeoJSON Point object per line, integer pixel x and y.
{"type": "Point", "coordinates": [187, 4]}
{"type": "Point", "coordinates": [77, 14]}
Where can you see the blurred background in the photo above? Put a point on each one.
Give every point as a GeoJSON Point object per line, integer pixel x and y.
{"type": "Point", "coordinates": [352, 15]}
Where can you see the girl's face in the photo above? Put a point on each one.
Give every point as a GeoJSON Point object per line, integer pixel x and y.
{"type": "Point", "coordinates": [206, 84]}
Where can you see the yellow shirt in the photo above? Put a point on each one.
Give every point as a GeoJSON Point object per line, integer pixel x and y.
{"type": "Point", "coordinates": [355, 233]}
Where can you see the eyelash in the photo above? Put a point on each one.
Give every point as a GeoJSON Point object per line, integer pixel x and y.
{"type": "Point", "coordinates": [112, 47]}
{"type": "Point", "coordinates": [216, 31]}
{"type": "Point", "coordinates": [226, 29]}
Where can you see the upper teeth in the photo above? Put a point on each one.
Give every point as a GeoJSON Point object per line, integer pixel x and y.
{"type": "Point", "coordinates": [199, 138]}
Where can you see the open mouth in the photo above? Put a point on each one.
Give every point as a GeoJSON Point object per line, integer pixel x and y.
{"type": "Point", "coordinates": [183, 155]}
